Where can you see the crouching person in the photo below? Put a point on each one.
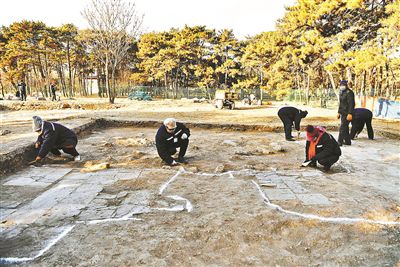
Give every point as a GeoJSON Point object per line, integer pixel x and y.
{"type": "Point", "coordinates": [321, 147]}
{"type": "Point", "coordinates": [170, 136]}
{"type": "Point", "coordinates": [53, 137]}
{"type": "Point", "coordinates": [362, 116]}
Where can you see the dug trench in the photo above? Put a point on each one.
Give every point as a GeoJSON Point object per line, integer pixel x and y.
{"type": "Point", "coordinates": [229, 223]}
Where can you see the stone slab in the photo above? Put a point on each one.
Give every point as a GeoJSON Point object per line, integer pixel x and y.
{"type": "Point", "coordinates": [9, 204]}
{"type": "Point", "coordinates": [314, 199]}
{"type": "Point", "coordinates": [296, 187]}
{"type": "Point", "coordinates": [280, 194]}
{"type": "Point", "coordinates": [4, 213]}
{"type": "Point", "coordinates": [21, 181]}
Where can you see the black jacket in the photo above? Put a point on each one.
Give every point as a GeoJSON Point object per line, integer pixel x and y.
{"type": "Point", "coordinates": [166, 141]}
{"type": "Point", "coordinates": [326, 147]}
{"type": "Point", "coordinates": [346, 102]}
{"type": "Point", "coordinates": [22, 87]}
{"type": "Point", "coordinates": [294, 114]}
{"type": "Point", "coordinates": [55, 135]}
{"type": "Point", "coordinates": [362, 114]}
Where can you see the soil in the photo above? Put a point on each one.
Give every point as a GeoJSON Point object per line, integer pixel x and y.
{"type": "Point", "coordinates": [230, 224]}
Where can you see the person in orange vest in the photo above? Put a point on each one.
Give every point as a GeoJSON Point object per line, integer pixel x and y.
{"type": "Point", "coordinates": [321, 147]}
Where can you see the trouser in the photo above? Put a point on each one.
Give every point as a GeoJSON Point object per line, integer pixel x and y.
{"type": "Point", "coordinates": [22, 95]}
{"type": "Point", "coordinates": [357, 127]}
{"type": "Point", "coordinates": [287, 125]}
{"type": "Point", "coordinates": [344, 131]}
{"type": "Point", "coordinates": [328, 161]}
{"type": "Point", "coordinates": [183, 145]}
{"type": "Point", "coordinates": [68, 150]}
{"type": "Point", "coordinates": [53, 96]}
{"type": "Point", "coordinates": [69, 147]}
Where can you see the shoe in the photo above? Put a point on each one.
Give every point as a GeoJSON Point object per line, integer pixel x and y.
{"type": "Point", "coordinates": [77, 158]}
{"type": "Point", "coordinates": [290, 139]}
{"type": "Point", "coordinates": [340, 144]}
{"type": "Point", "coordinates": [181, 160]}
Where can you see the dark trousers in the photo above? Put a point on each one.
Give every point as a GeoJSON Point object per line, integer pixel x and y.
{"type": "Point", "coordinates": [53, 96]}
{"type": "Point", "coordinates": [344, 131]}
{"type": "Point", "coordinates": [183, 145]}
{"type": "Point", "coordinates": [287, 125]}
{"type": "Point", "coordinates": [22, 95]}
{"type": "Point", "coordinates": [68, 150]}
{"type": "Point", "coordinates": [357, 127]}
{"type": "Point", "coordinates": [328, 161]}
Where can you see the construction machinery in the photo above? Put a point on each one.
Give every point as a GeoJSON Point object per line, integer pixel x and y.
{"type": "Point", "coordinates": [224, 98]}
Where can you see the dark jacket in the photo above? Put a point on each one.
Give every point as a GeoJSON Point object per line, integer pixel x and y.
{"type": "Point", "coordinates": [55, 135]}
{"type": "Point", "coordinates": [294, 114]}
{"type": "Point", "coordinates": [166, 141]}
{"type": "Point", "coordinates": [346, 102]}
{"type": "Point", "coordinates": [22, 87]}
{"type": "Point", "coordinates": [362, 114]}
{"type": "Point", "coordinates": [327, 146]}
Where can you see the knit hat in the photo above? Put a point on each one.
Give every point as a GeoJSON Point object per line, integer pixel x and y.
{"type": "Point", "coordinates": [313, 132]}
{"type": "Point", "coordinates": [37, 123]}
{"type": "Point", "coordinates": [343, 82]}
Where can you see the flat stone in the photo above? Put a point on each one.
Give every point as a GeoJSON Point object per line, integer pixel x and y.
{"type": "Point", "coordinates": [9, 204]}
{"type": "Point", "coordinates": [106, 196]}
{"type": "Point", "coordinates": [83, 195]}
{"type": "Point", "coordinates": [314, 199]}
{"type": "Point", "coordinates": [60, 212]}
{"type": "Point", "coordinates": [296, 187]}
{"type": "Point", "coordinates": [279, 194]}
{"type": "Point", "coordinates": [23, 181]}
{"type": "Point", "coordinates": [5, 212]}
{"type": "Point", "coordinates": [41, 204]}
{"type": "Point", "coordinates": [55, 175]}
{"type": "Point", "coordinates": [95, 214]}
{"type": "Point", "coordinates": [77, 176]}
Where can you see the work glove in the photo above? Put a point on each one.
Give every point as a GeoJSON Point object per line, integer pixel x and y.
{"type": "Point", "coordinates": [184, 136]}
{"type": "Point", "coordinates": [37, 145]}
{"type": "Point", "coordinates": [36, 162]}
{"type": "Point", "coordinates": [338, 116]}
{"type": "Point", "coordinates": [349, 117]}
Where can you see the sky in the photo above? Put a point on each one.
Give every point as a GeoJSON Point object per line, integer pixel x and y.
{"type": "Point", "coordinates": [245, 17]}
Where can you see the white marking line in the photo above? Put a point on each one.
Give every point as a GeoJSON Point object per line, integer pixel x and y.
{"type": "Point", "coordinates": [41, 252]}
{"type": "Point", "coordinates": [165, 185]}
{"type": "Point", "coordinates": [174, 208]}
{"type": "Point", "coordinates": [13, 260]}
{"type": "Point", "coordinates": [339, 220]}
{"type": "Point", "coordinates": [188, 205]}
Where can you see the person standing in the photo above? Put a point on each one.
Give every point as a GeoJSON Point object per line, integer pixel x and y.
{"type": "Point", "coordinates": [362, 116]}
{"type": "Point", "coordinates": [22, 90]}
{"type": "Point", "coordinates": [345, 112]}
{"type": "Point", "coordinates": [290, 116]}
{"type": "Point", "coordinates": [169, 137]}
{"type": "Point", "coordinates": [53, 88]}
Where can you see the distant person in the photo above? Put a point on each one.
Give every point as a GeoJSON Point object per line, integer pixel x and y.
{"type": "Point", "coordinates": [170, 136]}
{"type": "Point", "coordinates": [53, 88]}
{"type": "Point", "coordinates": [22, 90]}
{"type": "Point", "coordinates": [291, 116]}
{"type": "Point", "coordinates": [362, 116]}
{"type": "Point", "coordinates": [53, 137]}
{"type": "Point", "coordinates": [321, 147]}
{"type": "Point", "coordinates": [345, 112]}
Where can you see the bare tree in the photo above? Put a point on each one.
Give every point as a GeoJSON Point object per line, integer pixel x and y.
{"type": "Point", "coordinates": [115, 24]}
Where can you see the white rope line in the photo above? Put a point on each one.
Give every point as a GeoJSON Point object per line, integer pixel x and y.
{"type": "Point", "coordinates": [188, 205]}
{"type": "Point", "coordinates": [12, 260]}
{"type": "Point", "coordinates": [165, 185]}
{"type": "Point", "coordinates": [339, 220]}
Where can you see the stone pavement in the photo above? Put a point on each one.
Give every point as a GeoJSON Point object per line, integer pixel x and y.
{"type": "Point", "coordinates": [37, 202]}
{"type": "Point", "coordinates": [282, 186]}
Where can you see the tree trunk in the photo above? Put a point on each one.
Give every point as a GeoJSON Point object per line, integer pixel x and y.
{"type": "Point", "coordinates": [110, 98]}
{"type": "Point", "coordinates": [333, 84]}
{"type": "Point", "coordinates": [69, 71]}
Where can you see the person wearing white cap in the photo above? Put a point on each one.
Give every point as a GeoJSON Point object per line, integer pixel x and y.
{"type": "Point", "coordinates": [53, 137]}
{"type": "Point", "coordinates": [169, 137]}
